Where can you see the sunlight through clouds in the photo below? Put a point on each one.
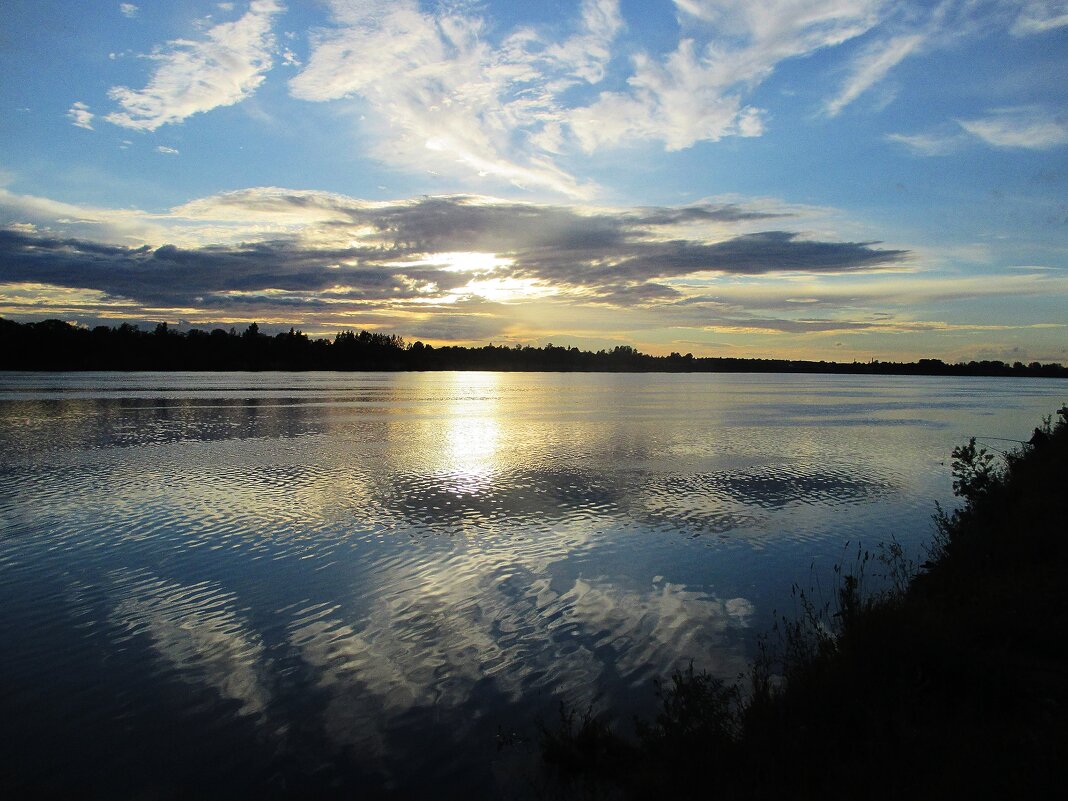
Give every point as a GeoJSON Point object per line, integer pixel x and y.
{"type": "Point", "coordinates": [615, 172]}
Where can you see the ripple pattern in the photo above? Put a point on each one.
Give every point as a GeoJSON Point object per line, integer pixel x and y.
{"type": "Point", "coordinates": [358, 578]}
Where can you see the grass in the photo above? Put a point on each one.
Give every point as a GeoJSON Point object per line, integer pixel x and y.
{"type": "Point", "coordinates": [949, 684]}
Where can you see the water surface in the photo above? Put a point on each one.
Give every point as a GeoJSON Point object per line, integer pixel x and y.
{"type": "Point", "coordinates": [251, 584]}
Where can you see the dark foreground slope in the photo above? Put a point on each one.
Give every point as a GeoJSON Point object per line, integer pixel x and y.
{"type": "Point", "coordinates": [952, 685]}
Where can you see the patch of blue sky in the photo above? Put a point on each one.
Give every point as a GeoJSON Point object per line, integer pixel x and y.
{"type": "Point", "coordinates": [936, 129]}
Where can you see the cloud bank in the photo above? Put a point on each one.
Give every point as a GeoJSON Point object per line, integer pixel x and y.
{"type": "Point", "coordinates": [405, 250]}
{"type": "Point", "coordinates": [451, 262]}
{"type": "Point", "coordinates": [468, 268]}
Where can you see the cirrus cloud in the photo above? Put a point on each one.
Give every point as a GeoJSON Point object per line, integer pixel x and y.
{"type": "Point", "coordinates": [1026, 128]}
{"type": "Point", "coordinates": [224, 67]}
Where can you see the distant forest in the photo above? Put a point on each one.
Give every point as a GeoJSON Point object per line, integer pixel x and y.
{"type": "Point", "coordinates": [57, 345]}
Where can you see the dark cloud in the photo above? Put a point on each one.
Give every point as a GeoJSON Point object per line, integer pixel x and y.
{"type": "Point", "coordinates": [169, 275]}
{"type": "Point", "coordinates": [750, 254]}
{"type": "Point", "coordinates": [465, 222]}
{"type": "Point", "coordinates": [703, 213]}
{"type": "Point", "coordinates": [633, 294]}
{"type": "Point", "coordinates": [615, 258]}
{"type": "Point", "coordinates": [563, 246]}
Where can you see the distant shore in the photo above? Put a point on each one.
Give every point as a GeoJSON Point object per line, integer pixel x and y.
{"type": "Point", "coordinates": [949, 684]}
{"type": "Point", "coordinates": [52, 345]}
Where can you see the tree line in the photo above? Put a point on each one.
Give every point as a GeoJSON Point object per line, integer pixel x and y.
{"type": "Point", "coordinates": [58, 345]}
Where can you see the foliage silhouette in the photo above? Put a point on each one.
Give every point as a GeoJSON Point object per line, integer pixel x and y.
{"type": "Point", "coordinates": [57, 345]}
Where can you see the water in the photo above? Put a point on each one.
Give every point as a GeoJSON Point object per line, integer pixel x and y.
{"type": "Point", "coordinates": [254, 584]}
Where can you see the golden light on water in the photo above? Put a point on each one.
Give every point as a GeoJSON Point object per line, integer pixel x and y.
{"type": "Point", "coordinates": [472, 436]}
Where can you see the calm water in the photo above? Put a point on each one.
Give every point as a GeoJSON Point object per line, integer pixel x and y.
{"type": "Point", "coordinates": [255, 584]}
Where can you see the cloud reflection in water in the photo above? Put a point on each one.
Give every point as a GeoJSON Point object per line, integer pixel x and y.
{"type": "Point", "coordinates": [383, 567]}
{"type": "Point", "coordinates": [196, 631]}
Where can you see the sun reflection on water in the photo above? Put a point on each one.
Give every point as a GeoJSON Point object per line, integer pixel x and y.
{"type": "Point", "coordinates": [473, 432]}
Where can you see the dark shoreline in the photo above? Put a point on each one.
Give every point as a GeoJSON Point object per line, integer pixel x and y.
{"type": "Point", "coordinates": [54, 345]}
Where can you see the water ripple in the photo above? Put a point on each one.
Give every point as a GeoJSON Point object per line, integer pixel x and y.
{"type": "Point", "coordinates": [365, 573]}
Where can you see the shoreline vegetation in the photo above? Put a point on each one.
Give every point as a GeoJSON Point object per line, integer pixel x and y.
{"type": "Point", "coordinates": [55, 345]}
{"type": "Point", "coordinates": [948, 683]}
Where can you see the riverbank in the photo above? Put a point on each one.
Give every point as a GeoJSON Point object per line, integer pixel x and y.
{"type": "Point", "coordinates": [951, 684]}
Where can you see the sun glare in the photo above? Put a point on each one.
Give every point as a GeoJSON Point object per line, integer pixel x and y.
{"type": "Point", "coordinates": [505, 290]}
{"type": "Point", "coordinates": [464, 261]}
{"type": "Point", "coordinates": [472, 437]}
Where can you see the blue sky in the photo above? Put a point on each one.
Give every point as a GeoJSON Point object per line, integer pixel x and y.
{"type": "Point", "coordinates": [845, 179]}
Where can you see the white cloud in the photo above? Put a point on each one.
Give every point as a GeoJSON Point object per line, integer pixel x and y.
{"type": "Point", "coordinates": [674, 102]}
{"type": "Point", "coordinates": [1040, 17]}
{"type": "Point", "coordinates": [871, 68]}
{"type": "Point", "coordinates": [128, 10]}
{"type": "Point", "coordinates": [1027, 128]}
{"type": "Point", "coordinates": [586, 54]}
{"type": "Point", "coordinates": [80, 116]}
{"type": "Point", "coordinates": [443, 99]}
{"type": "Point", "coordinates": [932, 144]}
{"type": "Point", "coordinates": [221, 69]}
{"type": "Point", "coordinates": [695, 93]}
{"type": "Point", "coordinates": [167, 151]}
{"type": "Point", "coordinates": [780, 20]}
{"type": "Point", "coordinates": [102, 224]}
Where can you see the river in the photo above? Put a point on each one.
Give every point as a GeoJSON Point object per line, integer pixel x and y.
{"type": "Point", "coordinates": [256, 584]}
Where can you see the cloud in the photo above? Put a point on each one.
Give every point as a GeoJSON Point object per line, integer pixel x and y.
{"type": "Point", "coordinates": [208, 276]}
{"type": "Point", "coordinates": [884, 290]}
{"type": "Point", "coordinates": [224, 67]}
{"type": "Point", "coordinates": [871, 68]}
{"type": "Point", "coordinates": [128, 10]}
{"type": "Point", "coordinates": [90, 222]}
{"type": "Point", "coordinates": [1024, 128]}
{"type": "Point", "coordinates": [695, 93]}
{"type": "Point", "coordinates": [440, 92]}
{"type": "Point", "coordinates": [473, 268]}
{"type": "Point", "coordinates": [906, 30]}
{"type": "Point", "coordinates": [678, 102]}
{"type": "Point", "coordinates": [930, 144]}
{"type": "Point", "coordinates": [786, 25]}
{"type": "Point", "coordinates": [320, 252]}
{"type": "Point", "coordinates": [1040, 17]}
{"type": "Point", "coordinates": [444, 99]}
{"type": "Point", "coordinates": [586, 54]}
{"type": "Point", "coordinates": [80, 116]}
{"type": "Point", "coordinates": [167, 151]}
{"type": "Point", "coordinates": [758, 325]}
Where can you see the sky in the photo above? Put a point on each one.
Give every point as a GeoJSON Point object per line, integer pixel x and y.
{"type": "Point", "coordinates": [820, 179]}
